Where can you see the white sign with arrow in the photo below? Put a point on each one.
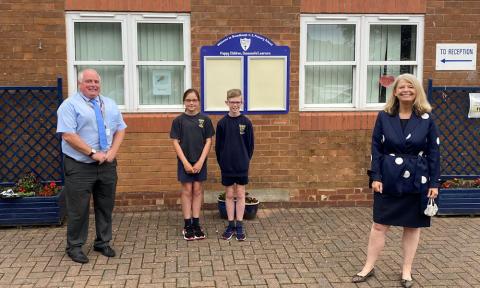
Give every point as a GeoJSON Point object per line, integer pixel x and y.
{"type": "Point", "coordinates": [456, 56]}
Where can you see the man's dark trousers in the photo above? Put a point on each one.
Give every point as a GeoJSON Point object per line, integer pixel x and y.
{"type": "Point", "coordinates": [81, 180]}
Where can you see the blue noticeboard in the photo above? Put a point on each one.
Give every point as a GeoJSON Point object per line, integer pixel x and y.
{"type": "Point", "coordinates": [252, 63]}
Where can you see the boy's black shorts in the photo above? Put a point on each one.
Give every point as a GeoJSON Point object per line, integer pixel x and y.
{"type": "Point", "coordinates": [229, 181]}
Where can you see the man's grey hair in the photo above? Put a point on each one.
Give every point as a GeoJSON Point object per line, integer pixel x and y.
{"type": "Point", "coordinates": [80, 75]}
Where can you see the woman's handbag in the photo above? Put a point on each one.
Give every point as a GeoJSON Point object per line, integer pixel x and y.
{"type": "Point", "coordinates": [432, 208]}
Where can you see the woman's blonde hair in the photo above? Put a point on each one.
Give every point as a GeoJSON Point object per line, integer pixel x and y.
{"type": "Point", "coordinates": [420, 105]}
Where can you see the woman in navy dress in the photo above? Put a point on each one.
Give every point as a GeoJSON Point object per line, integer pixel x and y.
{"type": "Point", "coordinates": [405, 171]}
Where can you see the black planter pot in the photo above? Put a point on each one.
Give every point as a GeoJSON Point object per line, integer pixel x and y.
{"type": "Point", "coordinates": [250, 210]}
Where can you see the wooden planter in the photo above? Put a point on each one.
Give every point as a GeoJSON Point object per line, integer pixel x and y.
{"type": "Point", "coordinates": [250, 210]}
{"type": "Point", "coordinates": [459, 201]}
{"type": "Point", "coordinates": [32, 211]}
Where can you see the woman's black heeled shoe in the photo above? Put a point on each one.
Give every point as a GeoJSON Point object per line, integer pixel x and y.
{"type": "Point", "coordinates": [357, 278]}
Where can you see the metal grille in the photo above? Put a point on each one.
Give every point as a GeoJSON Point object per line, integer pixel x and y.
{"type": "Point", "coordinates": [460, 135]}
{"type": "Point", "coordinates": [28, 139]}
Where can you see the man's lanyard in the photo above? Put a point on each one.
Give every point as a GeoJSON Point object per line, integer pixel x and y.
{"type": "Point", "coordinates": [102, 106]}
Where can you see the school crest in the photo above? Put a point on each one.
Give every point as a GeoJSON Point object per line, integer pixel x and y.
{"type": "Point", "coordinates": [245, 43]}
{"type": "Point", "coordinates": [200, 122]}
{"type": "Point", "coordinates": [242, 128]}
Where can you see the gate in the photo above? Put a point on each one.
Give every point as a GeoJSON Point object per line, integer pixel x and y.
{"type": "Point", "coordinates": [28, 139]}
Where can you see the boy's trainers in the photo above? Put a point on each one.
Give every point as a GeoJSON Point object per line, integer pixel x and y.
{"type": "Point", "coordinates": [198, 232]}
{"type": "Point", "coordinates": [188, 233]}
{"type": "Point", "coordinates": [227, 235]}
{"type": "Point", "coordinates": [240, 234]}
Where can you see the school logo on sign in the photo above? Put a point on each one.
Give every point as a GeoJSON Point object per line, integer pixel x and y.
{"type": "Point", "coordinates": [245, 43]}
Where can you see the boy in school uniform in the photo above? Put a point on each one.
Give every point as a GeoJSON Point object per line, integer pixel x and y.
{"type": "Point", "coordinates": [234, 149]}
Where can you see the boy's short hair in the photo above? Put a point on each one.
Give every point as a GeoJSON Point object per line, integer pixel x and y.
{"type": "Point", "coordinates": [232, 93]}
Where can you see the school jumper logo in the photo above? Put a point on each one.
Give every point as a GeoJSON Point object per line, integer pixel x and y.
{"type": "Point", "coordinates": [200, 122]}
{"type": "Point", "coordinates": [245, 43]}
{"type": "Point", "coordinates": [242, 128]}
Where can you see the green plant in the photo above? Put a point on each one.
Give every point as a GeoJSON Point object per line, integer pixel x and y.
{"type": "Point", "coordinates": [248, 199]}
{"type": "Point", "coordinates": [29, 186]}
{"type": "Point", "coordinates": [461, 183]}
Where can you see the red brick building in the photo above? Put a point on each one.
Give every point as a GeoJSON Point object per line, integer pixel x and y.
{"type": "Point", "coordinates": [317, 154]}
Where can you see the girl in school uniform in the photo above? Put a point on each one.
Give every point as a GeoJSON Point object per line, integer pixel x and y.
{"type": "Point", "coordinates": [192, 134]}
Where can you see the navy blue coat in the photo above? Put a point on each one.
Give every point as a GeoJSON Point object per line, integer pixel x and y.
{"type": "Point", "coordinates": [406, 161]}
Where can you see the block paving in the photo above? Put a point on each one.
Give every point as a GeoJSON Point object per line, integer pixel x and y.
{"type": "Point", "coordinates": [286, 247]}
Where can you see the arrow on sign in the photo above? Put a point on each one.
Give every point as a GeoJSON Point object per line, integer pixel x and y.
{"type": "Point", "coordinates": [445, 60]}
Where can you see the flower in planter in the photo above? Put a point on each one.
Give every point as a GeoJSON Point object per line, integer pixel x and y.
{"type": "Point", "coordinates": [29, 186]}
{"type": "Point", "coordinates": [461, 183]}
{"type": "Point", "coordinates": [50, 189]}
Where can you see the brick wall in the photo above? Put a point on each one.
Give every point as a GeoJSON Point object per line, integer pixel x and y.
{"type": "Point", "coordinates": [128, 5]}
{"type": "Point", "coordinates": [319, 158]}
{"type": "Point", "coordinates": [33, 45]}
{"type": "Point", "coordinates": [451, 22]}
{"type": "Point", "coordinates": [363, 6]}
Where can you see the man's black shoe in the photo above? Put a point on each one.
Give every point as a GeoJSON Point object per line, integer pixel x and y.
{"type": "Point", "coordinates": [78, 256]}
{"type": "Point", "coordinates": [106, 251]}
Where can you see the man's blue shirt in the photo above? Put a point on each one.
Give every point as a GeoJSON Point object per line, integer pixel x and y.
{"type": "Point", "coordinates": [76, 115]}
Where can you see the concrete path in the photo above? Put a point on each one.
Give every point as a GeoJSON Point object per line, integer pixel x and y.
{"type": "Point", "coordinates": [310, 247]}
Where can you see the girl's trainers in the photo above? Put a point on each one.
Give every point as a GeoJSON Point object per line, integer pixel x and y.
{"type": "Point", "coordinates": [198, 232]}
{"type": "Point", "coordinates": [188, 233]}
{"type": "Point", "coordinates": [229, 231]}
{"type": "Point", "coordinates": [240, 234]}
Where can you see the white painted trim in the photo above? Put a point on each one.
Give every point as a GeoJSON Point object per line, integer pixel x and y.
{"type": "Point", "coordinates": [130, 53]}
{"type": "Point", "coordinates": [97, 15]}
{"type": "Point", "coordinates": [160, 16]}
{"type": "Point", "coordinates": [361, 62]}
{"type": "Point", "coordinates": [394, 18]}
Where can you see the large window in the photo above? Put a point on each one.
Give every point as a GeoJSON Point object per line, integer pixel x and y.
{"type": "Point", "coordinates": [349, 62]}
{"type": "Point", "coordinates": [143, 59]}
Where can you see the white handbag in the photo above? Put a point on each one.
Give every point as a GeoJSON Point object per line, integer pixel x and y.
{"type": "Point", "coordinates": [432, 208]}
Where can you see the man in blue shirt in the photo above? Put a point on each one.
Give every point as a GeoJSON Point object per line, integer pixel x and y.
{"type": "Point", "coordinates": [92, 130]}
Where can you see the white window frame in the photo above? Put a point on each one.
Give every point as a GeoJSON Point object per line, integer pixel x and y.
{"type": "Point", "coordinates": [361, 62]}
{"type": "Point", "coordinates": [130, 60]}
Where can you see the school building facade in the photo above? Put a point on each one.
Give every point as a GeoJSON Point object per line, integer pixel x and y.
{"type": "Point", "coordinates": [343, 55]}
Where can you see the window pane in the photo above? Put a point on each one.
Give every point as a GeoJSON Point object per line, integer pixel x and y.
{"type": "Point", "coordinates": [377, 74]}
{"type": "Point", "coordinates": [98, 41]}
{"type": "Point", "coordinates": [160, 42]}
{"type": "Point", "coordinates": [328, 84]}
{"type": "Point", "coordinates": [331, 42]}
{"type": "Point", "coordinates": [111, 81]}
{"type": "Point", "coordinates": [393, 42]}
{"type": "Point", "coordinates": [161, 85]}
